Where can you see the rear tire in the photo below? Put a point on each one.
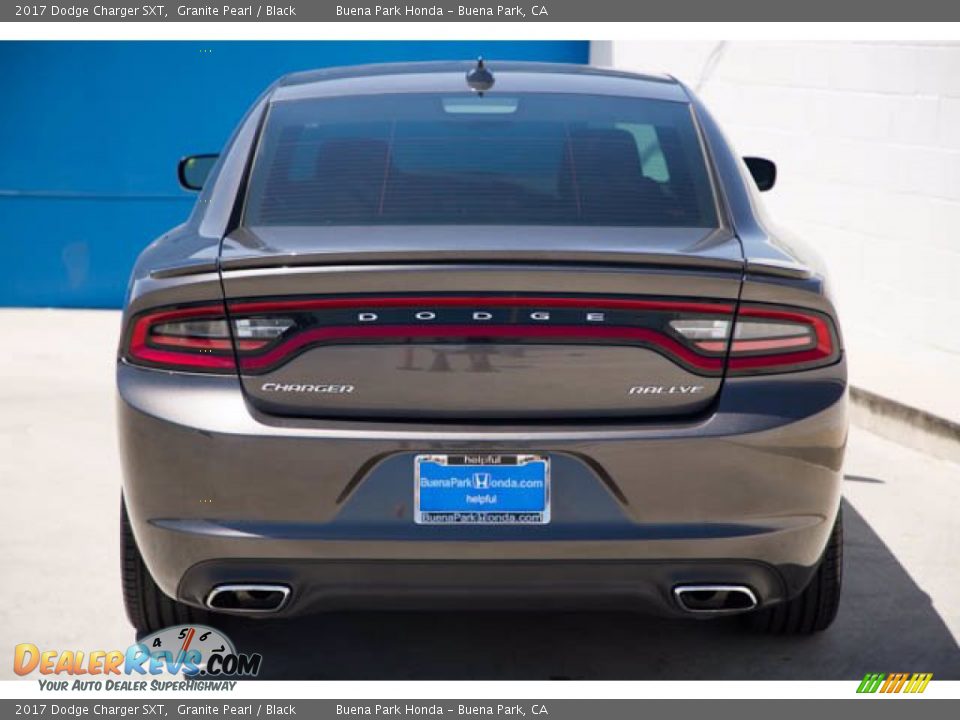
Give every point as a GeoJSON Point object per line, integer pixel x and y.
{"type": "Point", "coordinates": [148, 608]}
{"type": "Point", "coordinates": [815, 608]}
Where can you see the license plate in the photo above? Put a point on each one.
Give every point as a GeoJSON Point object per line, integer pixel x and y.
{"type": "Point", "coordinates": [481, 489]}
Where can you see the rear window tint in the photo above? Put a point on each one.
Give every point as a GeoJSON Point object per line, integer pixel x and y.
{"type": "Point", "coordinates": [427, 159]}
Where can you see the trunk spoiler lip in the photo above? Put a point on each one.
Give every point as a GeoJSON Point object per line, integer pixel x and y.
{"type": "Point", "coordinates": [185, 269]}
{"type": "Point", "coordinates": [773, 268]}
{"type": "Point", "coordinates": [434, 257]}
{"type": "Point", "coordinates": [594, 259]}
{"type": "Point", "coordinates": [665, 262]}
{"type": "Point", "coordinates": [295, 246]}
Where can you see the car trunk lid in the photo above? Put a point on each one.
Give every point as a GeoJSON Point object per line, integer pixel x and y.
{"type": "Point", "coordinates": [484, 323]}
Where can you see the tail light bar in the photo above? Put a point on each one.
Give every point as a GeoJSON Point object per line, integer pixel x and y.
{"type": "Point", "coordinates": [199, 338]}
{"type": "Point", "coordinates": [261, 335]}
{"type": "Point", "coordinates": [766, 339]}
{"type": "Point", "coordinates": [769, 340]}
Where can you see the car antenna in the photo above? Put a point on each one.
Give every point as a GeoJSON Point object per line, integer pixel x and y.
{"type": "Point", "coordinates": [480, 79]}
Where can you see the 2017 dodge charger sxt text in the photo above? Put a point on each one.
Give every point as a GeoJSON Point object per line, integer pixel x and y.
{"type": "Point", "coordinates": [435, 334]}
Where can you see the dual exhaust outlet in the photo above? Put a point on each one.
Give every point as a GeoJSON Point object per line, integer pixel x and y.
{"type": "Point", "coordinates": [248, 598]}
{"type": "Point", "coordinates": [697, 599]}
{"type": "Point", "coordinates": [715, 599]}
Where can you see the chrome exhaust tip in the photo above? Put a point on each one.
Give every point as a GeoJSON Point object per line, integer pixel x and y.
{"type": "Point", "coordinates": [714, 599]}
{"type": "Point", "coordinates": [248, 598]}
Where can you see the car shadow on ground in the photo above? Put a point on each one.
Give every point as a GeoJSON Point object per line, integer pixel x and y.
{"type": "Point", "coordinates": [886, 623]}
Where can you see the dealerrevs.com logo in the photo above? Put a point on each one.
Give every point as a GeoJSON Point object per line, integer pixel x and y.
{"type": "Point", "coordinates": [202, 655]}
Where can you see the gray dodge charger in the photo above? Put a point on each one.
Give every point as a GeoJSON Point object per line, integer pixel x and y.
{"type": "Point", "coordinates": [480, 336]}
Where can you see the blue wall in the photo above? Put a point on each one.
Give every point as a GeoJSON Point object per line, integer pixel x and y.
{"type": "Point", "coordinates": [92, 132]}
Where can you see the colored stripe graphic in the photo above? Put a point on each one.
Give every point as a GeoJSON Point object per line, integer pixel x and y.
{"type": "Point", "coordinates": [898, 680]}
{"type": "Point", "coordinates": [894, 683]}
{"type": "Point", "coordinates": [919, 682]}
{"type": "Point", "coordinates": [871, 682]}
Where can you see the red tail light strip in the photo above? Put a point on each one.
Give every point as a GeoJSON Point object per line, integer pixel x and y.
{"type": "Point", "coordinates": [198, 343]}
{"type": "Point", "coordinates": [824, 350]}
{"type": "Point", "coordinates": [182, 360]}
{"type": "Point", "coordinates": [214, 354]}
{"type": "Point", "coordinates": [566, 333]}
{"type": "Point", "coordinates": [140, 350]}
{"type": "Point", "coordinates": [752, 345]}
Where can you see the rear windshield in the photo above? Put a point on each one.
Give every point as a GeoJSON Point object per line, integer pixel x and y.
{"type": "Point", "coordinates": [523, 159]}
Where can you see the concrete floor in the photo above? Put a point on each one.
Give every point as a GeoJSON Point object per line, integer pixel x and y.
{"type": "Point", "coordinates": [59, 529]}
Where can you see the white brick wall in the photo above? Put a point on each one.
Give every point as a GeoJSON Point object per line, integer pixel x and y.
{"type": "Point", "coordinates": [867, 140]}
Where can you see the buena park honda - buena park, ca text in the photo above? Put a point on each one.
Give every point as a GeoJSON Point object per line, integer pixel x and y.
{"type": "Point", "coordinates": [68, 12]}
{"type": "Point", "coordinates": [503, 11]}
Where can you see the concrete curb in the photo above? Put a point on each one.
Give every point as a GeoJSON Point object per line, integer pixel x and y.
{"type": "Point", "coordinates": [904, 424]}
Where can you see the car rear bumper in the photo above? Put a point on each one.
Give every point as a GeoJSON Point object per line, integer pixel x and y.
{"type": "Point", "coordinates": [744, 494]}
{"type": "Point", "coordinates": [479, 584]}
